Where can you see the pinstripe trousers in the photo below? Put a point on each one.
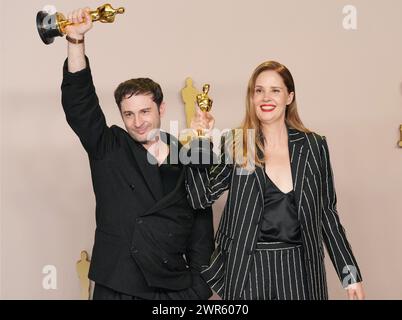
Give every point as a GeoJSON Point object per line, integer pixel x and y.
{"type": "Point", "coordinates": [277, 273]}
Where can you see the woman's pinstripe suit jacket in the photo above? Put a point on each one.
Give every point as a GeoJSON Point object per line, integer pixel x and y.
{"type": "Point", "coordinates": [238, 230]}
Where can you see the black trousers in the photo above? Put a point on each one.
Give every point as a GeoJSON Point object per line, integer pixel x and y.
{"type": "Point", "coordinates": [277, 273]}
{"type": "Point", "coordinates": [105, 293]}
{"type": "Point", "coordinates": [199, 291]}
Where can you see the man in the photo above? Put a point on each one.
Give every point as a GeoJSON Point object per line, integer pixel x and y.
{"type": "Point", "coordinates": [149, 242]}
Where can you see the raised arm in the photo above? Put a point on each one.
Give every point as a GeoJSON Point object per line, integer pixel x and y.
{"type": "Point", "coordinates": [76, 32]}
{"type": "Point", "coordinates": [79, 99]}
{"type": "Point", "coordinates": [205, 185]}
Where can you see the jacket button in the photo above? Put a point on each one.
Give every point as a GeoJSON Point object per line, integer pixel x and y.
{"type": "Point", "coordinates": [165, 261]}
{"type": "Point", "coordinates": [139, 221]}
{"type": "Point", "coordinates": [132, 187]}
{"type": "Point", "coordinates": [134, 250]}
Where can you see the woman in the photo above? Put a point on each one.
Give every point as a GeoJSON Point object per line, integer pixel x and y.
{"type": "Point", "coordinates": [281, 205]}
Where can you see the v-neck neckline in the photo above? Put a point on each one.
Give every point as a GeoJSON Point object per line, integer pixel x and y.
{"type": "Point", "coordinates": [276, 187]}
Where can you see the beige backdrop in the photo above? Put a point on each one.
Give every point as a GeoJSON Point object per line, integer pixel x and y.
{"type": "Point", "coordinates": [349, 86]}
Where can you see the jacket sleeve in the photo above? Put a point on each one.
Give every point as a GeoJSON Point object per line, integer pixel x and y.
{"type": "Point", "coordinates": [200, 248]}
{"type": "Point", "coordinates": [205, 185]}
{"type": "Point", "coordinates": [83, 113]}
{"type": "Point", "coordinates": [334, 234]}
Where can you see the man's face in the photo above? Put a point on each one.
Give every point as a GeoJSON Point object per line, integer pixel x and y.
{"type": "Point", "coordinates": [141, 116]}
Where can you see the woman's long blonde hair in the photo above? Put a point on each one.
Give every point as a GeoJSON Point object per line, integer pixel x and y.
{"type": "Point", "coordinates": [251, 121]}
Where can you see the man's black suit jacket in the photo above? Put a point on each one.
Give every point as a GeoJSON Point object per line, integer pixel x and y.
{"type": "Point", "coordinates": [142, 236]}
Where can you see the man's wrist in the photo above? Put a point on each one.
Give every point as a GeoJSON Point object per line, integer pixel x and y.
{"type": "Point", "coordinates": [75, 38]}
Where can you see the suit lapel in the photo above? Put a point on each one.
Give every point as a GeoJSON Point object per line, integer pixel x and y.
{"type": "Point", "coordinates": [179, 191]}
{"type": "Point", "coordinates": [148, 171]}
{"type": "Point", "coordinates": [172, 197]}
{"type": "Point", "coordinates": [298, 153]}
{"type": "Point", "coordinates": [260, 175]}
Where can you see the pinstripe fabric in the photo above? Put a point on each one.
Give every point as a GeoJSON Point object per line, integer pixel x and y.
{"type": "Point", "coordinates": [276, 274]}
{"type": "Point", "coordinates": [236, 236]}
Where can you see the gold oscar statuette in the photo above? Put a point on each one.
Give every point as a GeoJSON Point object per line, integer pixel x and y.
{"type": "Point", "coordinates": [204, 102]}
{"type": "Point", "coordinates": [82, 271]}
{"type": "Point", "coordinates": [400, 141]}
{"type": "Point", "coordinates": [53, 25]}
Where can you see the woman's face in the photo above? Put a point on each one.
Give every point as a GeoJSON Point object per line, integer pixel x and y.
{"type": "Point", "coordinates": [270, 97]}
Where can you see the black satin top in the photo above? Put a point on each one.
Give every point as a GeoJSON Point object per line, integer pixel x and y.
{"type": "Point", "coordinates": [280, 220]}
